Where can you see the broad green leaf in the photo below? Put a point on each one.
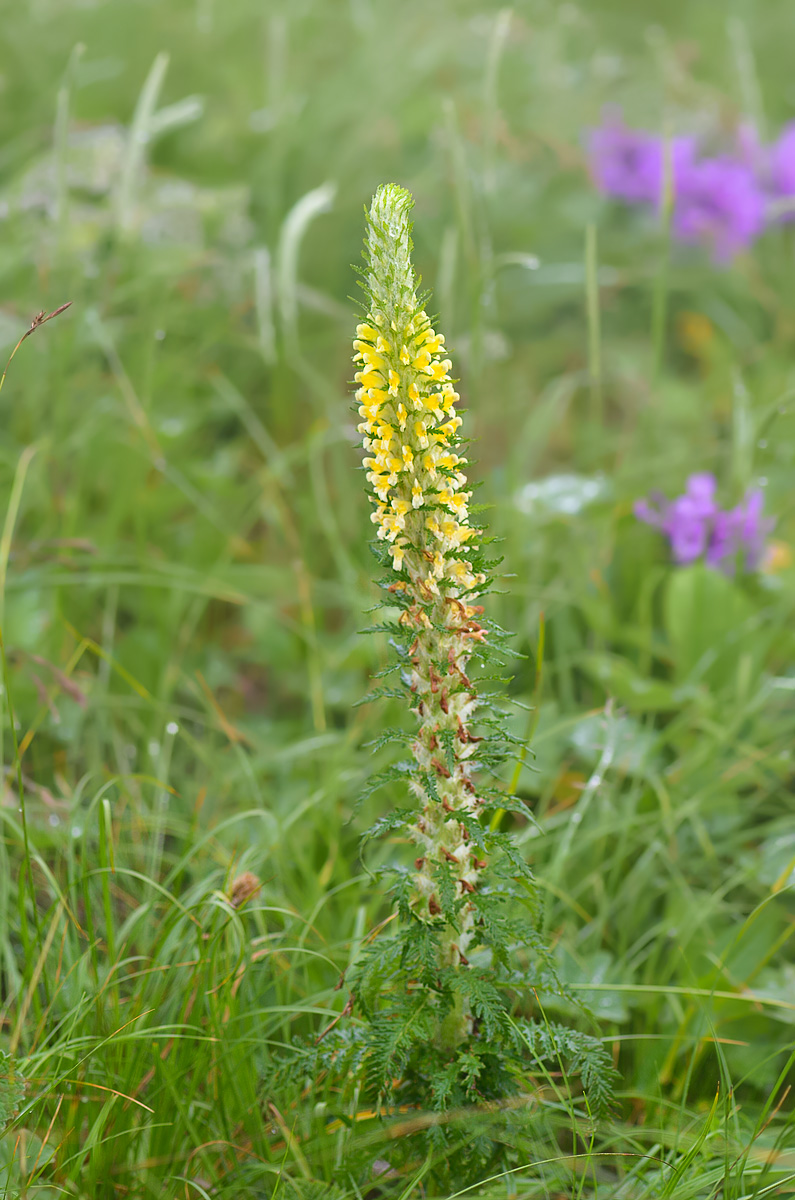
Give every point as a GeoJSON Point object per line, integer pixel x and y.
{"type": "Point", "coordinates": [708, 619]}
{"type": "Point", "coordinates": [636, 692]}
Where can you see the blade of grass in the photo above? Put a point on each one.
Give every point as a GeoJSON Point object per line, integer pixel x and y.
{"type": "Point", "coordinates": [594, 329]}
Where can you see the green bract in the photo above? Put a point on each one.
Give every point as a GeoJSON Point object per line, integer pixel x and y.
{"type": "Point", "coordinates": [390, 277]}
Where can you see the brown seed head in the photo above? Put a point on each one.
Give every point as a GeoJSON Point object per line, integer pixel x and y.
{"type": "Point", "coordinates": [243, 888]}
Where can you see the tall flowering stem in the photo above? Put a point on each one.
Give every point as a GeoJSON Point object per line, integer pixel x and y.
{"type": "Point", "coordinates": [428, 1020]}
{"type": "Point", "coordinates": [418, 487]}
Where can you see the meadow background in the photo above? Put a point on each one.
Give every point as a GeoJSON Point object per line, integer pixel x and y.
{"type": "Point", "coordinates": [184, 571]}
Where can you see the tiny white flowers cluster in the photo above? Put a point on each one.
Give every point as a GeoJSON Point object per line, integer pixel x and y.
{"type": "Point", "coordinates": [410, 431]}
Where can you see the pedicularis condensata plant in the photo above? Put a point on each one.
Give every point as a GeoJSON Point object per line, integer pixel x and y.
{"type": "Point", "coordinates": [437, 1014]}
{"type": "Point", "coordinates": [416, 472]}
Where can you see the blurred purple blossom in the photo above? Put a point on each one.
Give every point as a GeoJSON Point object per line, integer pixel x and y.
{"type": "Point", "coordinates": [718, 201]}
{"type": "Point", "coordinates": [781, 167]}
{"type": "Point", "coordinates": [626, 163]}
{"type": "Point", "coordinates": [722, 201]}
{"type": "Point", "coordinates": [630, 164]}
{"type": "Point", "coordinates": [696, 528]}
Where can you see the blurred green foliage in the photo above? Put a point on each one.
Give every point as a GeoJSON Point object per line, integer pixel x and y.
{"type": "Point", "coordinates": [185, 568]}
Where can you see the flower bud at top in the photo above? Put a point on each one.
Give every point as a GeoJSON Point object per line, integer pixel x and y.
{"type": "Point", "coordinates": [391, 275]}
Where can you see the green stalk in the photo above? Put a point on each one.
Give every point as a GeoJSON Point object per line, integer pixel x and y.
{"type": "Point", "coordinates": [594, 330]}
{"type": "Point", "coordinates": [659, 318]}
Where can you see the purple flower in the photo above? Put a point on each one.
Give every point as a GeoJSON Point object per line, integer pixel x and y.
{"type": "Point", "coordinates": [722, 201]}
{"type": "Point", "coordinates": [645, 512]}
{"type": "Point", "coordinates": [781, 168]}
{"type": "Point", "coordinates": [688, 536]}
{"type": "Point", "coordinates": [696, 528]}
{"type": "Point", "coordinates": [718, 201]}
{"type": "Point", "coordinates": [700, 494]}
{"type": "Point", "coordinates": [722, 540]}
{"type": "Point", "coordinates": [688, 519]}
{"type": "Point", "coordinates": [625, 162]}
{"type": "Point", "coordinates": [630, 164]}
{"type": "Point", "coordinates": [751, 528]}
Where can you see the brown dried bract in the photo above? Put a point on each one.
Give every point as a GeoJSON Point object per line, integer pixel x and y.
{"type": "Point", "coordinates": [243, 888]}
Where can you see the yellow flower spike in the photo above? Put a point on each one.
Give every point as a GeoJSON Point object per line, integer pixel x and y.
{"type": "Point", "coordinates": [422, 520]}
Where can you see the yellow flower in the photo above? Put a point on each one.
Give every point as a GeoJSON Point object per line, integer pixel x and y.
{"type": "Point", "coordinates": [368, 379]}
{"type": "Point", "coordinates": [418, 467]}
{"type": "Point", "coordinates": [696, 332]}
{"type": "Point", "coordinates": [438, 370]}
{"type": "Point", "coordinates": [778, 557]}
{"type": "Point", "coordinates": [398, 552]}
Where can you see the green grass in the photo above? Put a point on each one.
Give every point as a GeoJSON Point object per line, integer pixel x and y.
{"type": "Point", "coordinates": [185, 570]}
